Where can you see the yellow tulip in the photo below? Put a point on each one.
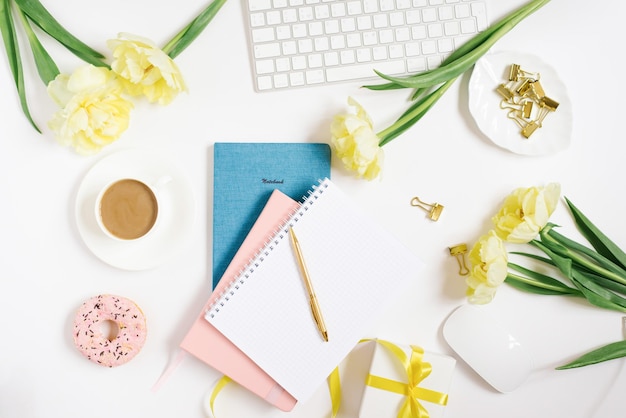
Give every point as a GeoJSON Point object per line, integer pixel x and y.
{"type": "Point", "coordinates": [93, 111]}
{"type": "Point", "coordinates": [488, 259]}
{"type": "Point", "coordinates": [525, 212]}
{"type": "Point", "coordinates": [145, 69]}
{"type": "Point", "coordinates": [356, 143]}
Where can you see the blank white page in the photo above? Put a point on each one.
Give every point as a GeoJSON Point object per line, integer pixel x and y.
{"type": "Point", "coordinates": [356, 269]}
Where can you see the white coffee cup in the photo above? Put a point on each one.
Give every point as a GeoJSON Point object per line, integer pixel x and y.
{"type": "Point", "coordinates": [127, 209]}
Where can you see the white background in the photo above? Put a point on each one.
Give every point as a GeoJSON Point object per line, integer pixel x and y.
{"type": "Point", "coordinates": [46, 271]}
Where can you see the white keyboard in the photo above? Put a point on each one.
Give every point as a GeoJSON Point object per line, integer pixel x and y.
{"type": "Point", "coordinates": [297, 43]}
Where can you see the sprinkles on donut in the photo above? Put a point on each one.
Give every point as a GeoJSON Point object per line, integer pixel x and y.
{"type": "Point", "coordinates": [112, 350]}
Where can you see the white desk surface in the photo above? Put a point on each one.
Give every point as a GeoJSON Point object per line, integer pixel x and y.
{"type": "Point", "coordinates": [46, 271]}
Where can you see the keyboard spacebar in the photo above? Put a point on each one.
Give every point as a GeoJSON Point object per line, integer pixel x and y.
{"type": "Point", "coordinates": [354, 72]}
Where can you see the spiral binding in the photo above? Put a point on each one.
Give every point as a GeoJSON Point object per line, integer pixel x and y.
{"type": "Point", "coordinates": [274, 240]}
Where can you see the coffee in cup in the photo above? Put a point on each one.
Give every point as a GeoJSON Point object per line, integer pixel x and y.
{"type": "Point", "coordinates": [127, 209]}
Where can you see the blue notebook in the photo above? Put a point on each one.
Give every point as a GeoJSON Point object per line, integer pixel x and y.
{"type": "Point", "coordinates": [244, 176]}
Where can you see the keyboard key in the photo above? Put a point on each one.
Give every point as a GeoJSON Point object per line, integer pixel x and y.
{"type": "Point", "coordinates": [256, 5]}
{"type": "Point", "coordinates": [263, 35]}
{"type": "Point", "coordinates": [337, 10]}
{"type": "Point", "coordinates": [321, 44]}
{"type": "Point", "coordinates": [315, 61]}
{"type": "Point", "coordinates": [315, 77]}
{"type": "Point", "coordinates": [446, 13]}
{"type": "Point", "coordinates": [331, 26]}
{"type": "Point", "coordinates": [331, 58]}
{"type": "Point", "coordinates": [379, 53]}
{"type": "Point", "coordinates": [364, 23]}
{"type": "Point", "coordinates": [282, 64]}
{"type": "Point", "coordinates": [347, 56]}
{"type": "Point", "coordinates": [364, 70]}
{"type": "Point", "coordinates": [316, 28]}
{"type": "Point", "coordinates": [354, 8]}
{"type": "Point", "coordinates": [296, 79]}
{"type": "Point", "coordinates": [257, 19]}
{"type": "Point", "coordinates": [429, 15]}
{"type": "Point", "coordinates": [370, 38]}
{"type": "Point", "coordinates": [264, 83]}
{"type": "Point", "coordinates": [370, 6]}
{"type": "Point", "coordinates": [468, 26]}
{"type": "Point", "coordinates": [337, 42]}
{"type": "Point", "coordinates": [265, 66]}
{"type": "Point", "coordinates": [322, 11]}
{"type": "Point", "coordinates": [267, 50]}
{"type": "Point", "coordinates": [281, 81]}
{"type": "Point", "coordinates": [480, 13]}
{"type": "Point", "coordinates": [416, 65]}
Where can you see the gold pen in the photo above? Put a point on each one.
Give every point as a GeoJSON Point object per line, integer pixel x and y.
{"type": "Point", "coordinates": [315, 307]}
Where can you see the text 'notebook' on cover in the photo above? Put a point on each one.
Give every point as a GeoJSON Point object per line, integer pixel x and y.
{"type": "Point", "coordinates": [244, 176]}
{"type": "Point", "coordinates": [356, 268]}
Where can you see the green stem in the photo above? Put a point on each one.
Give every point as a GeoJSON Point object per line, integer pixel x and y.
{"type": "Point", "coordinates": [410, 118]}
{"type": "Point", "coordinates": [186, 36]}
{"type": "Point", "coordinates": [542, 285]}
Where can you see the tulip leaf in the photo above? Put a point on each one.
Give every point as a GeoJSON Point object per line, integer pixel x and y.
{"type": "Point", "coordinates": [607, 282]}
{"type": "Point", "coordinates": [535, 256]}
{"type": "Point", "coordinates": [46, 67]}
{"type": "Point", "coordinates": [596, 238]}
{"type": "Point", "coordinates": [596, 256]}
{"type": "Point", "coordinates": [598, 295]}
{"type": "Point", "coordinates": [42, 18]}
{"type": "Point", "coordinates": [562, 263]}
{"type": "Point", "coordinates": [11, 46]}
{"type": "Point", "coordinates": [190, 32]}
{"type": "Point", "coordinates": [607, 352]}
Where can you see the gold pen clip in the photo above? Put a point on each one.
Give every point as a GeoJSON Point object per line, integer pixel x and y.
{"type": "Point", "coordinates": [458, 251]}
{"type": "Point", "coordinates": [433, 209]}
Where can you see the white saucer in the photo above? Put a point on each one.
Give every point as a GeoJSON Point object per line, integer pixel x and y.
{"type": "Point", "coordinates": [176, 210]}
{"type": "Point", "coordinates": [484, 104]}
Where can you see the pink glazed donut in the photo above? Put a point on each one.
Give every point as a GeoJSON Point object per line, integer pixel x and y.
{"type": "Point", "coordinates": [123, 314]}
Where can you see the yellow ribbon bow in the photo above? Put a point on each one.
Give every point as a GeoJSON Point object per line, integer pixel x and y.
{"type": "Point", "coordinates": [416, 370]}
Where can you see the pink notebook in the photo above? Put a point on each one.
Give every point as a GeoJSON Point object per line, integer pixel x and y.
{"type": "Point", "coordinates": [207, 344]}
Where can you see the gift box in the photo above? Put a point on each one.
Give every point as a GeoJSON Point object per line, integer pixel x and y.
{"type": "Point", "coordinates": [406, 381]}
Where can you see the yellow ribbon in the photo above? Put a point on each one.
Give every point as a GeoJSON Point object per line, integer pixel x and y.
{"type": "Point", "coordinates": [416, 370]}
{"type": "Point", "coordinates": [334, 387]}
{"type": "Point", "coordinates": [217, 389]}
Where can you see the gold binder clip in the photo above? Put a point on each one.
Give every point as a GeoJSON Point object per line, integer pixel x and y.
{"type": "Point", "coordinates": [458, 251]}
{"type": "Point", "coordinates": [525, 87]}
{"type": "Point", "coordinates": [434, 209]}
{"type": "Point", "coordinates": [532, 126]}
{"type": "Point", "coordinates": [505, 92]}
{"type": "Point", "coordinates": [516, 73]}
{"type": "Point", "coordinates": [548, 103]}
{"type": "Point", "coordinates": [536, 90]}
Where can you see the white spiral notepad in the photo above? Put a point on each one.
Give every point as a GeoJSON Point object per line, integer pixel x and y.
{"type": "Point", "coordinates": [356, 269]}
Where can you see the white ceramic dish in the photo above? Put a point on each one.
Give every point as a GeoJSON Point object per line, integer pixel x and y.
{"type": "Point", "coordinates": [176, 210]}
{"type": "Point", "coordinates": [487, 347]}
{"type": "Point", "coordinates": [484, 104]}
